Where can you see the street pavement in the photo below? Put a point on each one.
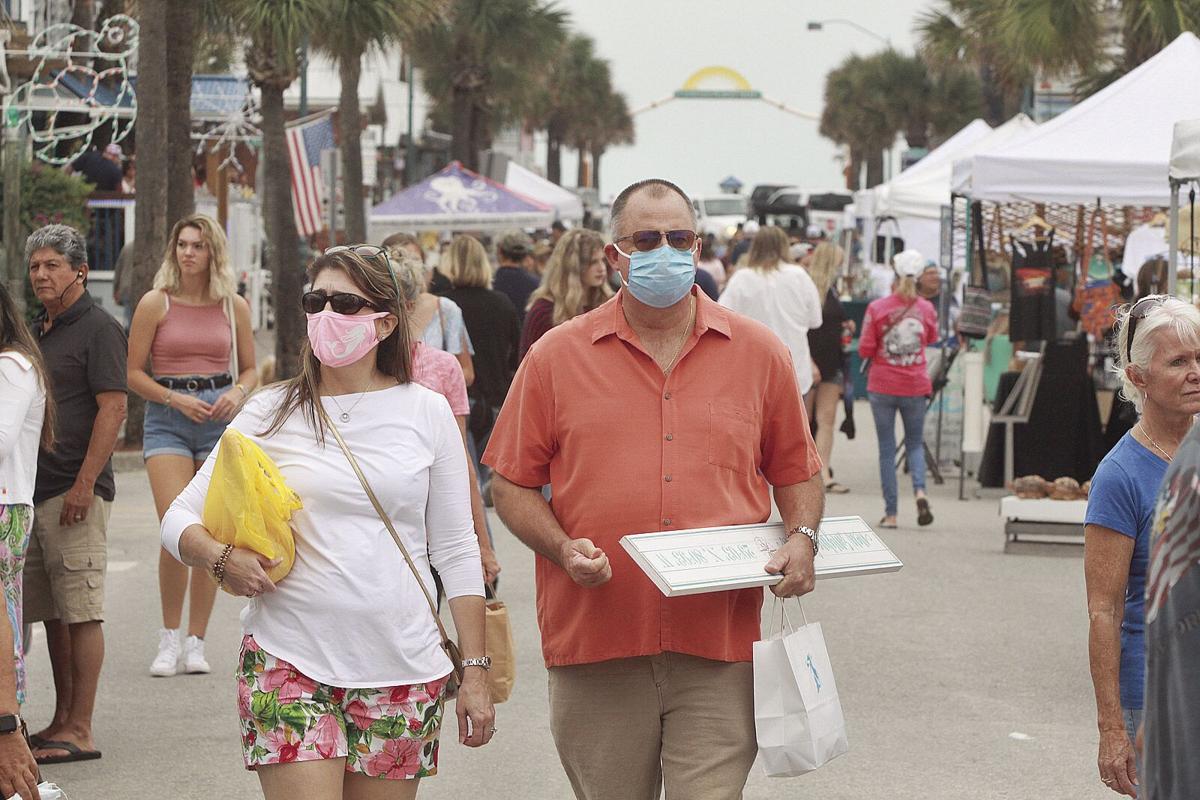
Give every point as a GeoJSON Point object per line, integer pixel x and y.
{"type": "Point", "coordinates": [965, 675]}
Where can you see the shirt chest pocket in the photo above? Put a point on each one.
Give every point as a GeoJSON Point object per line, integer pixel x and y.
{"type": "Point", "coordinates": [733, 434]}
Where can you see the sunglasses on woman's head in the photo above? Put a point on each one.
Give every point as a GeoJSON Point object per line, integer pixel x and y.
{"type": "Point", "coordinates": [342, 302]}
{"type": "Point", "coordinates": [645, 241]}
{"type": "Point", "coordinates": [1140, 309]}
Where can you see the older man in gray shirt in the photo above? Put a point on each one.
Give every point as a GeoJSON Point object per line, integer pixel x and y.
{"type": "Point", "coordinates": [85, 352]}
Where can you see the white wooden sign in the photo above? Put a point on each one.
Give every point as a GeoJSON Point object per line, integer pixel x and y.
{"type": "Point", "coordinates": [733, 557]}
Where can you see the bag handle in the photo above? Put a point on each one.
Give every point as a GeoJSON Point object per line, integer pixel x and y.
{"type": "Point", "coordinates": [233, 349]}
{"type": "Point", "coordinates": [447, 643]}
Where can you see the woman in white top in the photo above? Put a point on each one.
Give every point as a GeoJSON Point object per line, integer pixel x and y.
{"type": "Point", "coordinates": [26, 422]}
{"type": "Point", "coordinates": [341, 668]}
{"type": "Point", "coordinates": [780, 295]}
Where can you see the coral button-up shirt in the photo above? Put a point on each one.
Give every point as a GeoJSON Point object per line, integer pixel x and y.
{"type": "Point", "coordinates": [629, 450]}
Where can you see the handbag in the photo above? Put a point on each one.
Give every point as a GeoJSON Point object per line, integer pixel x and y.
{"type": "Point", "coordinates": [448, 644]}
{"type": "Point", "coordinates": [1096, 298]}
{"type": "Point", "coordinates": [498, 630]}
{"type": "Point", "coordinates": [996, 264]}
{"type": "Point", "coordinates": [798, 720]}
{"type": "Point", "coordinates": [975, 316]}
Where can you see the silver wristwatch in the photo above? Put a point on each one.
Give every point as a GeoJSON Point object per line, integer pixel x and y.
{"type": "Point", "coordinates": [482, 661]}
{"type": "Point", "coordinates": [812, 535]}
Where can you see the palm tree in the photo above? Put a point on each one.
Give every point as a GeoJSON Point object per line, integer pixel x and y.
{"type": "Point", "coordinates": [274, 30]}
{"type": "Point", "coordinates": [965, 33]}
{"type": "Point", "coordinates": [1147, 26]}
{"type": "Point", "coordinates": [479, 65]}
{"type": "Point", "coordinates": [567, 97]}
{"type": "Point", "coordinates": [857, 114]}
{"type": "Point", "coordinates": [613, 126]}
{"type": "Point", "coordinates": [869, 100]}
{"type": "Point", "coordinates": [346, 30]}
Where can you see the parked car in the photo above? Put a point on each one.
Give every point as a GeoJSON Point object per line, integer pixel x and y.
{"type": "Point", "coordinates": [720, 214]}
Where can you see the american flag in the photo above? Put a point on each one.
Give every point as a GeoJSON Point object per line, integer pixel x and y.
{"type": "Point", "coordinates": [306, 140]}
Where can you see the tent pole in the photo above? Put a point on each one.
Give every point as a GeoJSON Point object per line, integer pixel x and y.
{"type": "Point", "coordinates": [1173, 245]}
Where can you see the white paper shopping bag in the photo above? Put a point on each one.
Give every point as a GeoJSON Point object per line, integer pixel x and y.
{"type": "Point", "coordinates": [797, 714]}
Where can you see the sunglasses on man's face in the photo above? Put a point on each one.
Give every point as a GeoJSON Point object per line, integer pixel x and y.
{"type": "Point", "coordinates": [645, 241]}
{"type": "Point", "coordinates": [342, 302]}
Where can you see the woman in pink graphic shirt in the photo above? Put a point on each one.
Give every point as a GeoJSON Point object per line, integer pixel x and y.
{"type": "Point", "coordinates": [895, 331]}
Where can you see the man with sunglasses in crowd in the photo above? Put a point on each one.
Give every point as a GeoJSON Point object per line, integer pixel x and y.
{"type": "Point", "coordinates": [659, 410]}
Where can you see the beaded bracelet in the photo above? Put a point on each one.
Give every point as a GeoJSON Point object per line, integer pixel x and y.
{"type": "Point", "coordinates": [218, 569]}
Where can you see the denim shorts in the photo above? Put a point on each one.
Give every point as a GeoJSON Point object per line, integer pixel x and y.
{"type": "Point", "coordinates": [167, 432]}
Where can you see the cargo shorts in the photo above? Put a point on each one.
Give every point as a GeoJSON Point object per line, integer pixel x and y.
{"type": "Point", "coordinates": [65, 564]}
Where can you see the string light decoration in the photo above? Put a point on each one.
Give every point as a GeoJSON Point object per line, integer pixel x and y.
{"type": "Point", "coordinates": [240, 126]}
{"type": "Point", "coordinates": [99, 61]}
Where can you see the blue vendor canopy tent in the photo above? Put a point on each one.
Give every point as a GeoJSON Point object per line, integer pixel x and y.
{"type": "Point", "coordinates": [457, 199]}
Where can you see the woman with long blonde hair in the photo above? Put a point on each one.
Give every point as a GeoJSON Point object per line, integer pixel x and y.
{"type": "Point", "coordinates": [825, 345]}
{"type": "Point", "coordinates": [779, 294]}
{"type": "Point", "coordinates": [575, 282]}
{"type": "Point", "coordinates": [182, 357]}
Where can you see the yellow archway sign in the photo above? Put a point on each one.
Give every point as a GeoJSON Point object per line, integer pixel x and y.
{"type": "Point", "coordinates": [700, 85]}
{"type": "Point", "coordinates": [721, 83]}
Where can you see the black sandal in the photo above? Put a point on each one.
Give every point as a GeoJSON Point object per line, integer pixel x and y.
{"type": "Point", "coordinates": [924, 513]}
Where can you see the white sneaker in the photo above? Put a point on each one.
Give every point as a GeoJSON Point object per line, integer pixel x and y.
{"type": "Point", "coordinates": [166, 663]}
{"type": "Point", "coordinates": [193, 657]}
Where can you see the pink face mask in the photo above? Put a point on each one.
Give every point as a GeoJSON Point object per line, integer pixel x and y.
{"type": "Point", "coordinates": [341, 339]}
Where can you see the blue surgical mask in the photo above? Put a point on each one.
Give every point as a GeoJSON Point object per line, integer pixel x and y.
{"type": "Point", "coordinates": [660, 278]}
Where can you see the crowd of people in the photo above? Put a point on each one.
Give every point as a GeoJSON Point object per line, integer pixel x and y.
{"type": "Point", "coordinates": [426, 393]}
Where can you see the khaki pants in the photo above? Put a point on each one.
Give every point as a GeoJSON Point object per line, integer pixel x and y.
{"type": "Point", "coordinates": [628, 727]}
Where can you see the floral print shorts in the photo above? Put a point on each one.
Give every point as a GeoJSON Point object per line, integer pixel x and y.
{"type": "Point", "coordinates": [389, 732]}
{"type": "Point", "coordinates": [15, 524]}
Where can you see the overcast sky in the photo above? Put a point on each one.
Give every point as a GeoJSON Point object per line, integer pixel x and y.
{"type": "Point", "coordinates": [699, 142]}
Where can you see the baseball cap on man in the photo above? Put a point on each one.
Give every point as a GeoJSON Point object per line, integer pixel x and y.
{"type": "Point", "coordinates": [515, 244]}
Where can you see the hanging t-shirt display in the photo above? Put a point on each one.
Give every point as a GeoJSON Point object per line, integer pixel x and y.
{"type": "Point", "coordinates": [1031, 316]}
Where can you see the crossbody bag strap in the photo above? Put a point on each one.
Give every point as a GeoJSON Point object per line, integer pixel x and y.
{"type": "Point", "coordinates": [233, 349]}
{"type": "Point", "coordinates": [888, 327]}
{"type": "Point", "coordinates": [447, 643]}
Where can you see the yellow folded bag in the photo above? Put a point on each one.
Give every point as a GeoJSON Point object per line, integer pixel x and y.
{"type": "Point", "coordinates": [249, 505]}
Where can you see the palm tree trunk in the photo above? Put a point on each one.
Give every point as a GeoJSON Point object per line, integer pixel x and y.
{"type": "Point", "coordinates": [151, 224]}
{"type": "Point", "coordinates": [993, 95]}
{"type": "Point", "coordinates": [181, 195]}
{"type": "Point", "coordinates": [874, 168]}
{"type": "Point", "coordinates": [283, 242]}
{"type": "Point", "coordinates": [596, 153]}
{"type": "Point", "coordinates": [581, 170]}
{"type": "Point", "coordinates": [553, 154]}
{"type": "Point", "coordinates": [350, 142]}
{"type": "Point", "coordinates": [462, 109]}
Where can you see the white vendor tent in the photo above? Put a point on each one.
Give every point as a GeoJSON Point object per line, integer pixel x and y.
{"type": "Point", "coordinates": [1113, 146]}
{"type": "Point", "coordinates": [1183, 169]}
{"type": "Point", "coordinates": [566, 204]}
{"type": "Point", "coordinates": [922, 189]}
{"type": "Point", "coordinates": [960, 179]}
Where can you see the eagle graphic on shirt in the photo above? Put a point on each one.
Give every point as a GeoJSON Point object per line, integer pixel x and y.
{"type": "Point", "coordinates": [902, 345]}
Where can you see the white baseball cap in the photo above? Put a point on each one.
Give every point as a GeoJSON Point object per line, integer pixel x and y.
{"type": "Point", "coordinates": [909, 263]}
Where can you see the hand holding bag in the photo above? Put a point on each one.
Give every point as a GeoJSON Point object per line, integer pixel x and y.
{"type": "Point", "coordinates": [797, 713]}
{"type": "Point", "coordinates": [448, 644]}
{"type": "Point", "coordinates": [498, 628]}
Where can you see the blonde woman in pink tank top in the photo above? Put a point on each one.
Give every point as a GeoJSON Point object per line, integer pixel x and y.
{"type": "Point", "coordinates": [181, 361]}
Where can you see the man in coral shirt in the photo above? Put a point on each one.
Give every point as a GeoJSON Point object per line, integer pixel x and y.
{"type": "Point", "coordinates": [660, 410]}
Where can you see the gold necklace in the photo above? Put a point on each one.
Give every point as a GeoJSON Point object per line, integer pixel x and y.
{"type": "Point", "coordinates": [679, 347]}
{"type": "Point", "coordinates": [1157, 447]}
